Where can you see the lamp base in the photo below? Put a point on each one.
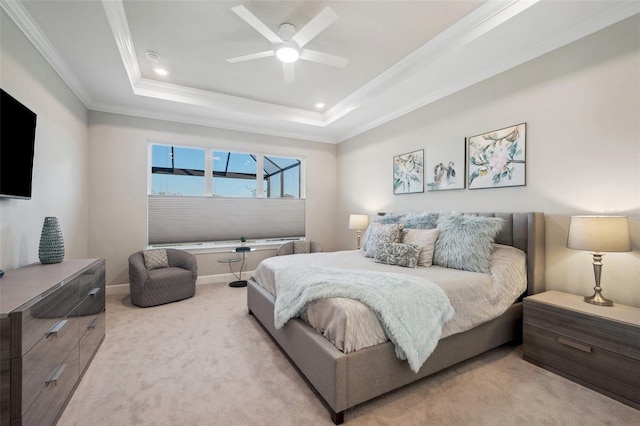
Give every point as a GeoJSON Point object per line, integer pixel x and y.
{"type": "Point", "coordinates": [598, 299]}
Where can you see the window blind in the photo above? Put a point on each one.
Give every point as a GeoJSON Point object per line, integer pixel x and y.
{"type": "Point", "coordinates": [180, 219]}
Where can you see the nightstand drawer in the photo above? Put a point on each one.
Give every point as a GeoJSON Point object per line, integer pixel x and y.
{"type": "Point", "coordinates": [614, 336]}
{"type": "Point", "coordinates": [610, 373]}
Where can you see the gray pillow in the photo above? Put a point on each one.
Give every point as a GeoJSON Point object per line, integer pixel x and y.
{"type": "Point", "coordinates": [466, 242]}
{"type": "Point", "coordinates": [382, 233]}
{"type": "Point", "coordinates": [155, 259]}
{"type": "Point", "coordinates": [386, 219]}
{"type": "Point", "coordinates": [300, 247]}
{"type": "Point", "coordinates": [398, 254]}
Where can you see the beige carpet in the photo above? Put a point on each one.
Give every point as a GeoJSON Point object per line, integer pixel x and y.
{"type": "Point", "coordinates": [205, 361]}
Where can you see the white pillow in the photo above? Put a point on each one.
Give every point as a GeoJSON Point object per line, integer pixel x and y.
{"type": "Point", "coordinates": [426, 239]}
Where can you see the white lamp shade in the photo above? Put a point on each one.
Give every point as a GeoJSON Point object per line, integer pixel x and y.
{"type": "Point", "coordinates": [358, 221]}
{"type": "Point", "coordinates": [599, 233]}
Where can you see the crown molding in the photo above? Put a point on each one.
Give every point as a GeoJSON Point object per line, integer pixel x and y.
{"type": "Point", "coordinates": [406, 78]}
{"type": "Point", "coordinates": [553, 41]}
{"type": "Point", "coordinates": [247, 127]}
{"type": "Point", "coordinates": [34, 34]}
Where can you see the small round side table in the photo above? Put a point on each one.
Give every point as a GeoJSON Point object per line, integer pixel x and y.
{"type": "Point", "coordinates": [230, 260]}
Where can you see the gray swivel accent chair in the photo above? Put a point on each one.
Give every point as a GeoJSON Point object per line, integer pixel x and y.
{"type": "Point", "coordinates": [151, 287]}
{"type": "Point", "coordinates": [299, 247]}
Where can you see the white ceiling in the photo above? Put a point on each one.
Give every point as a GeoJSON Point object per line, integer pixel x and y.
{"type": "Point", "coordinates": [402, 55]}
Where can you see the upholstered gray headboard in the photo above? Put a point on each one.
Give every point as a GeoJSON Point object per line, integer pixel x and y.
{"type": "Point", "coordinates": [526, 232]}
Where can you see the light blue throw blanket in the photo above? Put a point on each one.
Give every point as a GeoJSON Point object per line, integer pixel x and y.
{"type": "Point", "coordinates": [412, 310]}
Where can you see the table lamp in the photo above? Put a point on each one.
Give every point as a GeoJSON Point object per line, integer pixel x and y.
{"type": "Point", "coordinates": [599, 234]}
{"type": "Point", "coordinates": [358, 222]}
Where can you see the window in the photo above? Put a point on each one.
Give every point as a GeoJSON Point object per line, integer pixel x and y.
{"type": "Point", "coordinates": [177, 171]}
{"type": "Point", "coordinates": [234, 174]}
{"type": "Point", "coordinates": [208, 195]}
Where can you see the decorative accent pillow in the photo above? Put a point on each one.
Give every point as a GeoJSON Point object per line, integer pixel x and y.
{"type": "Point", "coordinates": [386, 219]}
{"type": "Point", "coordinates": [398, 254]}
{"type": "Point", "coordinates": [466, 242]}
{"type": "Point", "coordinates": [154, 259]}
{"type": "Point", "coordinates": [426, 240]}
{"type": "Point", "coordinates": [423, 220]}
{"type": "Point", "coordinates": [389, 218]}
{"type": "Point", "coordinates": [301, 247]}
{"type": "Point", "coordinates": [381, 233]}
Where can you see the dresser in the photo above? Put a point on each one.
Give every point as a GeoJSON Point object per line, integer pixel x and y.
{"type": "Point", "coordinates": [596, 346]}
{"type": "Point", "coordinates": [52, 322]}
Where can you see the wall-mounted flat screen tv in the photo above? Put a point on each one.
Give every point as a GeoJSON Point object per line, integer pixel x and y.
{"type": "Point", "coordinates": [17, 144]}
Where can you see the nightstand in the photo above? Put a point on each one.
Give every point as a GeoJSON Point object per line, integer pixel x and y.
{"type": "Point", "coordinates": [596, 346]}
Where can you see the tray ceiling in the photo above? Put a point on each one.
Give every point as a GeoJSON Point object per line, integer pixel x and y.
{"type": "Point", "coordinates": [402, 55]}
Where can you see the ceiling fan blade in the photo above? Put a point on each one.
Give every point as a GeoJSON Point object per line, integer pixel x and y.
{"type": "Point", "coordinates": [258, 55]}
{"type": "Point", "coordinates": [324, 58]}
{"type": "Point", "coordinates": [257, 24]}
{"type": "Point", "coordinates": [321, 21]}
{"type": "Point", "coordinates": [289, 72]}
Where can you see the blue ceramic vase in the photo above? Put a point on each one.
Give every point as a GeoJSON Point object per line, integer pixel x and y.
{"type": "Point", "coordinates": [51, 244]}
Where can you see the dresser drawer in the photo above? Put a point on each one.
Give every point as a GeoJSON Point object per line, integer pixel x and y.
{"type": "Point", "coordinates": [608, 372]}
{"type": "Point", "coordinates": [91, 280]}
{"type": "Point", "coordinates": [40, 363]}
{"type": "Point", "coordinates": [93, 303]}
{"type": "Point", "coordinates": [94, 331]}
{"type": "Point", "coordinates": [614, 336]}
{"type": "Point", "coordinates": [46, 313]}
{"type": "Point", "coordinates": [46, 407]}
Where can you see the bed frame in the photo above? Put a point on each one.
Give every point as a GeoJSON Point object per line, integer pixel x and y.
{"type": "Point", "coordinates": [345, 380]}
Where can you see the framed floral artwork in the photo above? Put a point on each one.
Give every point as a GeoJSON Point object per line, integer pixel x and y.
{"type": "Point", "coordinates": [445, 165]}
{"type": "Point", "coordinates": [497, 159]}
{"type": "Point", "coordinates": [408, 172]}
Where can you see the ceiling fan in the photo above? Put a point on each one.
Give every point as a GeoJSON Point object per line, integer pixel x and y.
{"type": "Point", "coordinates": [289, 43]}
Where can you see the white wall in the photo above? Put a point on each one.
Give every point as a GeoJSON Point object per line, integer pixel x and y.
{"type": "Point", "coordinates": [582, 108]}
{"type": "Point", "coordinates": [118, 180]}
{"type": "Point", "coordinates": [60, 186]}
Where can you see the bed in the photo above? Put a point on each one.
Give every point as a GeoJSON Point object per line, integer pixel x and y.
{"type": "Point", "coordinates": [344, 379]}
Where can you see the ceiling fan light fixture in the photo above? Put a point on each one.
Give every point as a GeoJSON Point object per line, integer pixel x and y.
{"type": "Point", "coordinates": [287, 53]}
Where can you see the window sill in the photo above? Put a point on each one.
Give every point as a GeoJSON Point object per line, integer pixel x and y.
{"type": "Point", "coordinates": [226, 247]}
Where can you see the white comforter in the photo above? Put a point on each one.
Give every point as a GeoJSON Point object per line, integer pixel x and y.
{"type": "Point", "coordinates": [350, 325]}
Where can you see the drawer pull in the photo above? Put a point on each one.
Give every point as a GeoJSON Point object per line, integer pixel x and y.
{"type": "Point", "coordinates": [53, 379]}
{"type": "Point", "coordinates": [53, 331]}
{"type": "Point", "coordinates": [574, 345]}
{"type": "Point", "coordinates": [92, 325]}
{"type": "Point", "coordinates": [94, 291]}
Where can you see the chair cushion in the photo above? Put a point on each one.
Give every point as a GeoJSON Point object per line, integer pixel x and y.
{"type": "Point", "coordinates": [155, 259]}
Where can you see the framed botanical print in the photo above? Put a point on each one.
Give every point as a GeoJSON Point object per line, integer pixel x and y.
{"type": "Point", "coordinates": [497, 158]}
{"type": "Point", "coordinates": [445, 165]}
{"type": "Point", "coordinates": [408, 172]}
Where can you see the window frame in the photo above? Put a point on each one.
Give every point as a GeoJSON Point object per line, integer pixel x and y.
{"type": "Point", "coordinates": [215, 245]}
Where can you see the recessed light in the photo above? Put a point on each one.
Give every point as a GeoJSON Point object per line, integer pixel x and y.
{"type": "Point", "coordinates": [319, 105]}
{"type": "Point", "coordinates": [152, 56]}
{"type": "Point", "coordinates": [161, 71]}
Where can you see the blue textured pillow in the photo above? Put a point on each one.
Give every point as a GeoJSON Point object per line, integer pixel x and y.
{"type": "Point", "coordinates": [424, 220]}
{"type": "Point", "coordinates": [466, 242]}
{"type": "Point", "coordinates": [398, 254]}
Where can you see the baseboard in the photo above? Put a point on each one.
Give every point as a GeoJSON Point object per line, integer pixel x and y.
{"type": "Point", "coordinates": [115, 289]}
